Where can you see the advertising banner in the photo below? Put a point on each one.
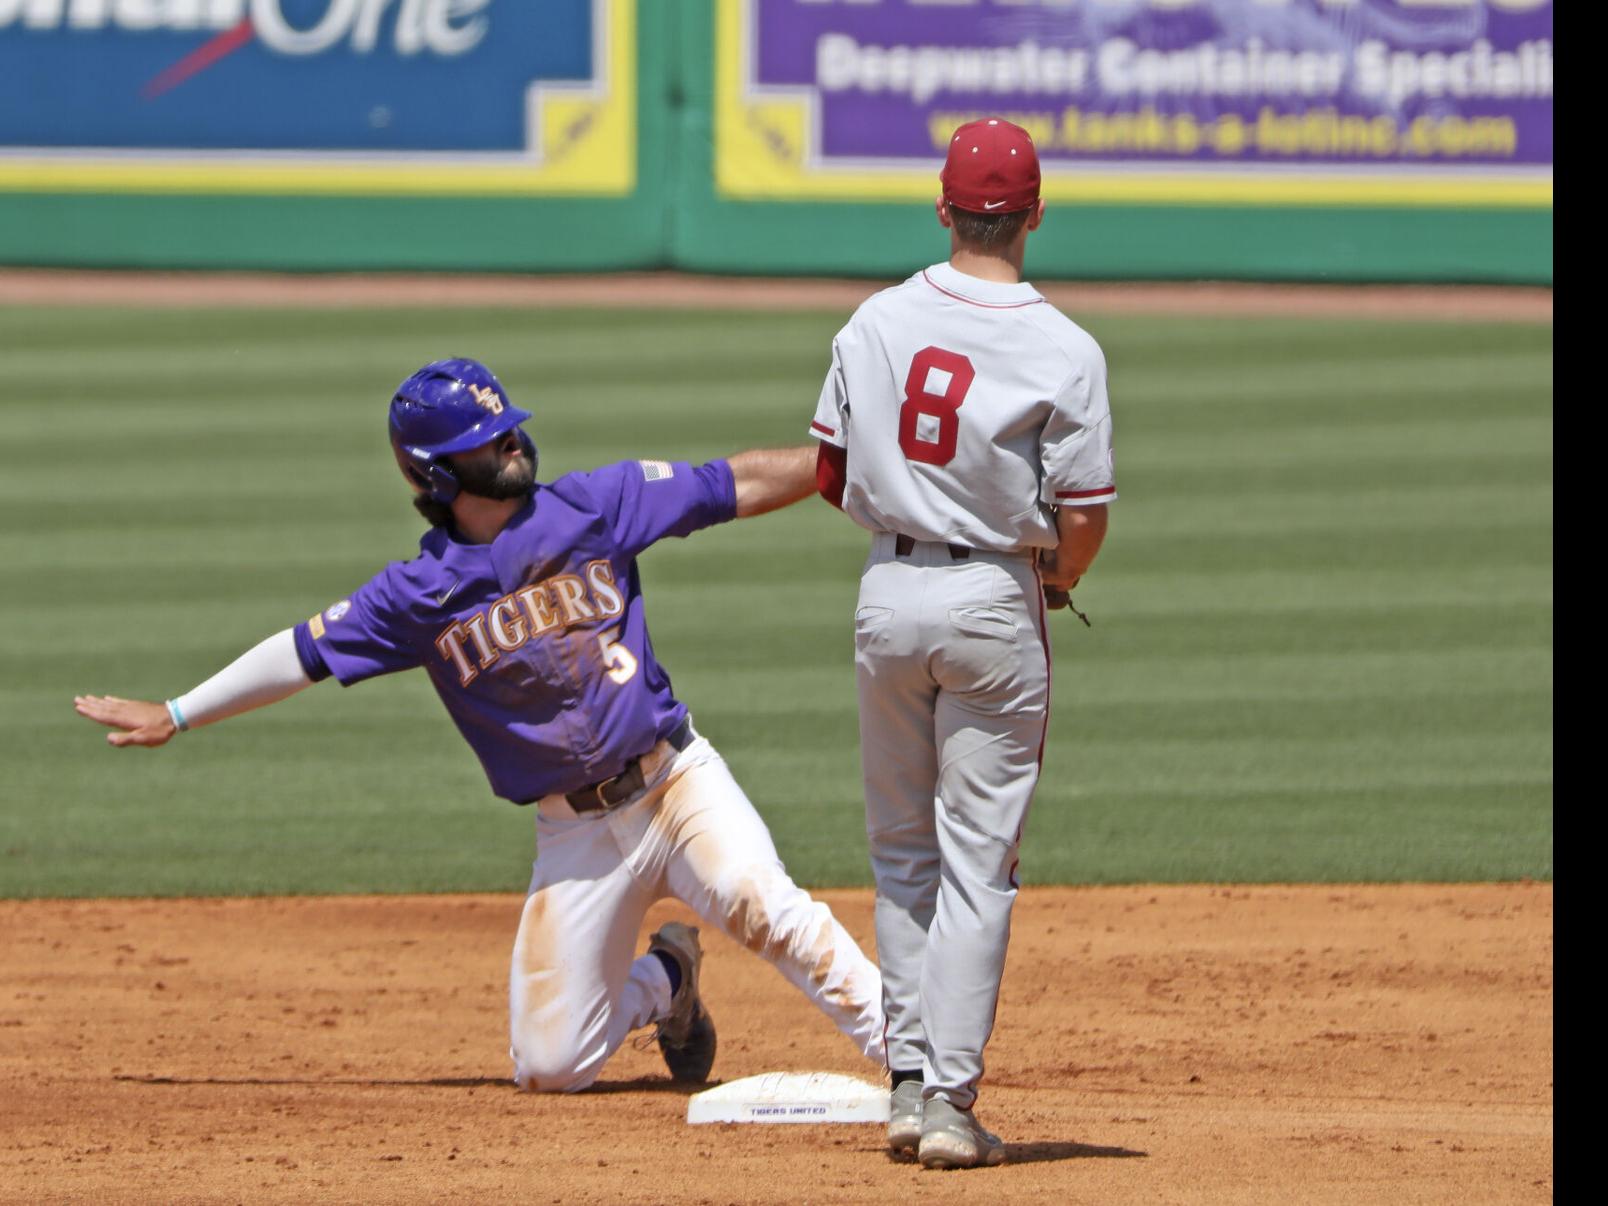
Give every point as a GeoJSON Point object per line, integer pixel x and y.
{"type": "Point", "coordinates": [430, 97]}
{"type": "Point", "coordinates": [1258, 102]}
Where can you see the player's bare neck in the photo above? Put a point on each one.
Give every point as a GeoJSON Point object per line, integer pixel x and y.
{"type": "Point", "coordinates": [1004, 268]}
{"type": "Point", "coordinates": [478, 520]}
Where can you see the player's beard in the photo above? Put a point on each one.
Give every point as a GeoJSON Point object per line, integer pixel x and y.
{"type": "Point", "coordinates": [515, 479]}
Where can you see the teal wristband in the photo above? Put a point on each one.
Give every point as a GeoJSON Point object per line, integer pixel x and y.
{"type": "Point", "coordinates": [177, 716]}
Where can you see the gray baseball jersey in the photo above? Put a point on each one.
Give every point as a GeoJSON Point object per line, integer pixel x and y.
{"type": "Point", "coordinates": [969, 409]}
{"type": "Point", "coordinates": [974, 408]}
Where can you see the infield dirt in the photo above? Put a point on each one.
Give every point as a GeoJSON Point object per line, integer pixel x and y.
{"type": "Point", "coordinates": [1308, 1044]}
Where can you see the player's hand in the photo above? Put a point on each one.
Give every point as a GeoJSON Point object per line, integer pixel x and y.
{"type": "Point", "coordinates": [1054, 575]}
{"type": "Point", "coordinates": [137, 721]}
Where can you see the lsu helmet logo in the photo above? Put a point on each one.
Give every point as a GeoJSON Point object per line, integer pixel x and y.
{"type": "Point", "coordinates": [487, 397]}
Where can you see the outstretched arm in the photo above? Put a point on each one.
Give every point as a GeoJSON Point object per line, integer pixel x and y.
{"type": "Point", "coordinates": [769, 478]}
{"type": "Point", "coordinates": [261, 676]}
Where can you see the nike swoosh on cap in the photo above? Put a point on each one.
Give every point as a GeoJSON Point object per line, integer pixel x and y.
{"type": "Point", "coordinates": [992, 204]}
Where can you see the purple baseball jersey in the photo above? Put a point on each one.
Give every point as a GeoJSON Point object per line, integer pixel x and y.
{"type": "Point", "coordinates": [537, 642]}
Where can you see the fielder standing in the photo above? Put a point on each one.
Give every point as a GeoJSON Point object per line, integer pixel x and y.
{"type": "Point", "coordinates": [965, 423]}
{"type": "Point", "coordinates": [525, 608]}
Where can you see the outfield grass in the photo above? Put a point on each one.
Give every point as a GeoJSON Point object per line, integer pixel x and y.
{"type": "Point", "coordinates": [1322, 622]}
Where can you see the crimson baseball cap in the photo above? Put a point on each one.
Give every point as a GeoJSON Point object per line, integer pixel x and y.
{"type": "Point", "coordinates": [992, 168]}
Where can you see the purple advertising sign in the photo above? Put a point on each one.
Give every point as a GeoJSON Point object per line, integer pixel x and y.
{"type": "Point", "coordinates": [1373, 84]}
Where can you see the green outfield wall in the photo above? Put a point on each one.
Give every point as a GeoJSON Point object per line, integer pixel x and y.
{"type": "Point", "coordinates": [678, 134]}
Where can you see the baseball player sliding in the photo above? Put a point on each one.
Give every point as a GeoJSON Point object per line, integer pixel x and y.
{"type": "Point", "coordinates": [965, 423]}
{"type": "Point", "coordinates": [525, 608]}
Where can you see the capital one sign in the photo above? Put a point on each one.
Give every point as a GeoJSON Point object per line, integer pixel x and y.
{"type": "Point", "coordinates": [440, 27]}
{"type": "Point", "coordinates": [381, 77]}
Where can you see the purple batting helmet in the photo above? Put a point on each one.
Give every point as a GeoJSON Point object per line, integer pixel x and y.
{"type": "Point", "coordinates": [449, 406]}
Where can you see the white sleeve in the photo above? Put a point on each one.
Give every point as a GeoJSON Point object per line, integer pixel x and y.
{"type": "Point", "coordinates": [830, 424]}
{"type": "Point", "coordinates": [1075, 445]}
{"type": "Point", "coordinates": [260, 676]}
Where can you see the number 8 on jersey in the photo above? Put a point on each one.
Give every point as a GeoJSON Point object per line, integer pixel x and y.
{"type": "Point", "coordinates": [934, 366]}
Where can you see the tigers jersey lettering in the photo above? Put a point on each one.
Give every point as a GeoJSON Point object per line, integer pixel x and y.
{"type": "Point", "coordinates": [556, 605]}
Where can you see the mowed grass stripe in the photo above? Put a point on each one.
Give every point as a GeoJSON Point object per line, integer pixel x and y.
{"type": "Point", "coordinates": [1299, 385]}
{"type": "Point", "coordinates": [1291, 836]}
{"type": "Point", "coordinates": [277, 438]}
{"type": "Point", "coordinates": [1322, 642]}
{"type": "Point", "coordinates": [1187, 682]}
{"type": "Point", "coordinates": [1337, 445]}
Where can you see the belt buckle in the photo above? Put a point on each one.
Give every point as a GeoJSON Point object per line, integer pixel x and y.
{"type": "Point", "coordinates": [599, 788]}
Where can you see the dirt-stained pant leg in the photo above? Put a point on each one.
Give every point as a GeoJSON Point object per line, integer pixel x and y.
{"type": "Point", "coordinates": [721, 861]}
{"type": "Point", "coordinates": [994, 691]}
{"type": "Point", "coordinates": [575, 991]}
{"type": "Point", "coordinates": [899, 757]}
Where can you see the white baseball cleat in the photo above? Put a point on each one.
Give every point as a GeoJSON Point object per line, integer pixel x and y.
{"type": "Point", "coordinates": [952, 1138]}
{"type": "Point", "coordinates": [904, 1120]}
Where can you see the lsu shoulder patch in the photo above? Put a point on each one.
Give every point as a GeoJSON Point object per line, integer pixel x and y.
{"type": "Point", "coordinates": [335, 611]}
{"type": "Point", "coordinates": [657, 471]}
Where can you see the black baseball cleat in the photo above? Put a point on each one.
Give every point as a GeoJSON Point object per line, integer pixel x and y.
{"type": "Point", "coordinates": [686, 1035]}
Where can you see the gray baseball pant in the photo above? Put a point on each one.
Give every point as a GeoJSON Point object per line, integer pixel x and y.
{"type": "Point", "coordinates": [953, 675]}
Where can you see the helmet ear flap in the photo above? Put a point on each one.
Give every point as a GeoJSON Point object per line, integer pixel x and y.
{"type": "Point", "coordinates": [427, 475]}
{"type": "Point", "coordinates": [529, 446]}
{"type": "Point", "coordinates": [443, 484]}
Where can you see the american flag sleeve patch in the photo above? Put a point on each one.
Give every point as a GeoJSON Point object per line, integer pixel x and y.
{"type": "Point", "coordinates": [656, 471]}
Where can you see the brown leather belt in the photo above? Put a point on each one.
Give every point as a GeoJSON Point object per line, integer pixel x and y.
{"type": "Point", "coordinates": [610, 793]}
{"type": "Point", "coordinates": [905, 545]}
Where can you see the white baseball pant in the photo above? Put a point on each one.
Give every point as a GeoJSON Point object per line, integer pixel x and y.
{"type": "Point", "coordinates": [953, 674]}
{"type": "Point", "coordinates": [575, 989]}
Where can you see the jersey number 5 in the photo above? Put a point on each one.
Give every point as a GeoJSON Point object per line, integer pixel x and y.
{"type": "Point", "coordinates": [933, 366]}
{"type": "Point", "coordinates": [621, 662]}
